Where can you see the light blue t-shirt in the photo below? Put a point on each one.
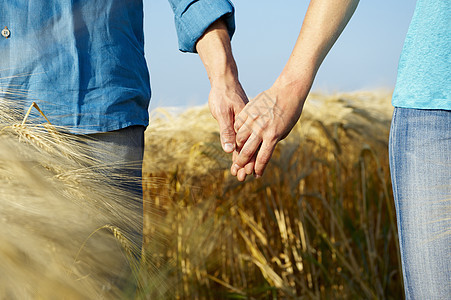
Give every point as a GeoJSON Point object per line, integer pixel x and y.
{"type": "Point", "coordinates": [83, 61]}
{"type": "Point", "coordinates": [424, 71]}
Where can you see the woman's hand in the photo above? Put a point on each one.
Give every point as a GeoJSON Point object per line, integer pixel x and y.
{"type": "Point", "coordinates": [266, 120]}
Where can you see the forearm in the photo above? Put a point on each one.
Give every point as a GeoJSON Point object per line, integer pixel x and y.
{"type": "Point", "coordinates": [323, 24]}
{"type": "Point", "coordinates": [272, 114]}
{"type": "Point", "coordinates": [227, 98]}
{"type": "Point", "coordinates": [215, 52]}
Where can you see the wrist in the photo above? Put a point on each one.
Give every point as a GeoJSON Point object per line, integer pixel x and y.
{"type": "Point", "coordinates": [215, 52]}
{"type": "Point", "coordinates": [225, 78]}
{"type": "Point", "coordinates": [296, 88]}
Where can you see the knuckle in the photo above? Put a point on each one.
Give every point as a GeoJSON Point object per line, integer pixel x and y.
{"type": "Point", "coordinates": [254, 115]}
{"type": "Point", "coordinates": [228, 133]}
{"type": "Point", "coordinates": [271, 135]}
{"type": "Point", "coordinates": [259, 133]}
{"type": "Point", "coordinates": [240, 139]}
{"type": "Point", "coordinates": [246, 152]}
{"type": "Point", "coordinates": [236, 126]}
{"type": "Point", "coordinates": [264, 157]}
{"type": "Point", "coordinates": [262, 127]}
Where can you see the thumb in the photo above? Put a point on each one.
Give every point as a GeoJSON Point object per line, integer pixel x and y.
{"type": "Point", "coordinates": [226, 131]}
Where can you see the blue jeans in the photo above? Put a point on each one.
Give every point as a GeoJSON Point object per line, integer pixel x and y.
{"type": "Point", "coordinates": [120, 155]}
{"type": "Point", "coordinates": [420, 165]}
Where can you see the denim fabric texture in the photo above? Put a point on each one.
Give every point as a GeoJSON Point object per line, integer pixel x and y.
{"type": "Point", "coordinates": [192, 18]}
{"type": "Point", "coordinates": [420, 164]}
{"type": "Point", "coordinates": [119, 156]}
{"type": "Point", "coordinates": [83, 61]}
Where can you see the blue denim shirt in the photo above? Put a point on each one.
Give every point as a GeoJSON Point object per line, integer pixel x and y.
{"type": "Point", "coordinates": [83, 61]}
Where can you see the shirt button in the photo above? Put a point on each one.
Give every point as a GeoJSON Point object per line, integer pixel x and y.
{"type": "Point", "coordinates": [5, 32]}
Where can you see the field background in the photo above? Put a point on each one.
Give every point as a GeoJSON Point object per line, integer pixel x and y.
{"type": "Point", "coordinates": [320, 224]}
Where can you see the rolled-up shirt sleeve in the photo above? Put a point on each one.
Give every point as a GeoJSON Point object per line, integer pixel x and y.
{"type": "Point", "coordinates": [193, 17]}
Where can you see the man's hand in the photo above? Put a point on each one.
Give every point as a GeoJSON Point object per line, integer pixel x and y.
{"type": "Point", "coordinates": [226, 100]}
{"type": "Point", "coordinates": [227, 97]}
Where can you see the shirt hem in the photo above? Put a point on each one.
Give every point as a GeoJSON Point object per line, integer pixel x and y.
{"type": "Point", "coordinates": [101, 129]}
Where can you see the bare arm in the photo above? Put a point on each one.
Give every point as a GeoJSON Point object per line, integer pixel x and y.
{"type": "Point", "coordinates": [272, 114]}
{"type": "Point", "coordinates": [227, 97]}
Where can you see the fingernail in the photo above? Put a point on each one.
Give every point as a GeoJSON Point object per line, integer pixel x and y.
{"type": "Point", "coordinates": [258, 176]}
{"type": "Point", "coordinates": [228, 147]}
{"type": "Point", "coordinates": [235, 168]}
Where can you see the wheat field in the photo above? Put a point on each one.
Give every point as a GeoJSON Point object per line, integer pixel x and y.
{"type": "Point", "coordinates": [319, 224]}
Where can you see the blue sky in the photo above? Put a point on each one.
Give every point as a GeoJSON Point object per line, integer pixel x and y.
{"type": "Point", "coordinates": [365, 56]}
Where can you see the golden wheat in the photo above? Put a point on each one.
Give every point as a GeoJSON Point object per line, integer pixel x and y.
{"type": "Point", "coordinates": [319, 224]}
{"type": "Point", "coordinates": [45, 216]}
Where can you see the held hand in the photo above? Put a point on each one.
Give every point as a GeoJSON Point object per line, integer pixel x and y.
{"type": "Point", "coordinates": [271, 115]}
{"type": "Point", "coordinates": [264, 121]}
{"type": "Point", "coordinates": [225, 102]}
{"type": "Point", "coordinates": [227, 97]}
{"type": "Point", "coordinates": [248, 169]}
